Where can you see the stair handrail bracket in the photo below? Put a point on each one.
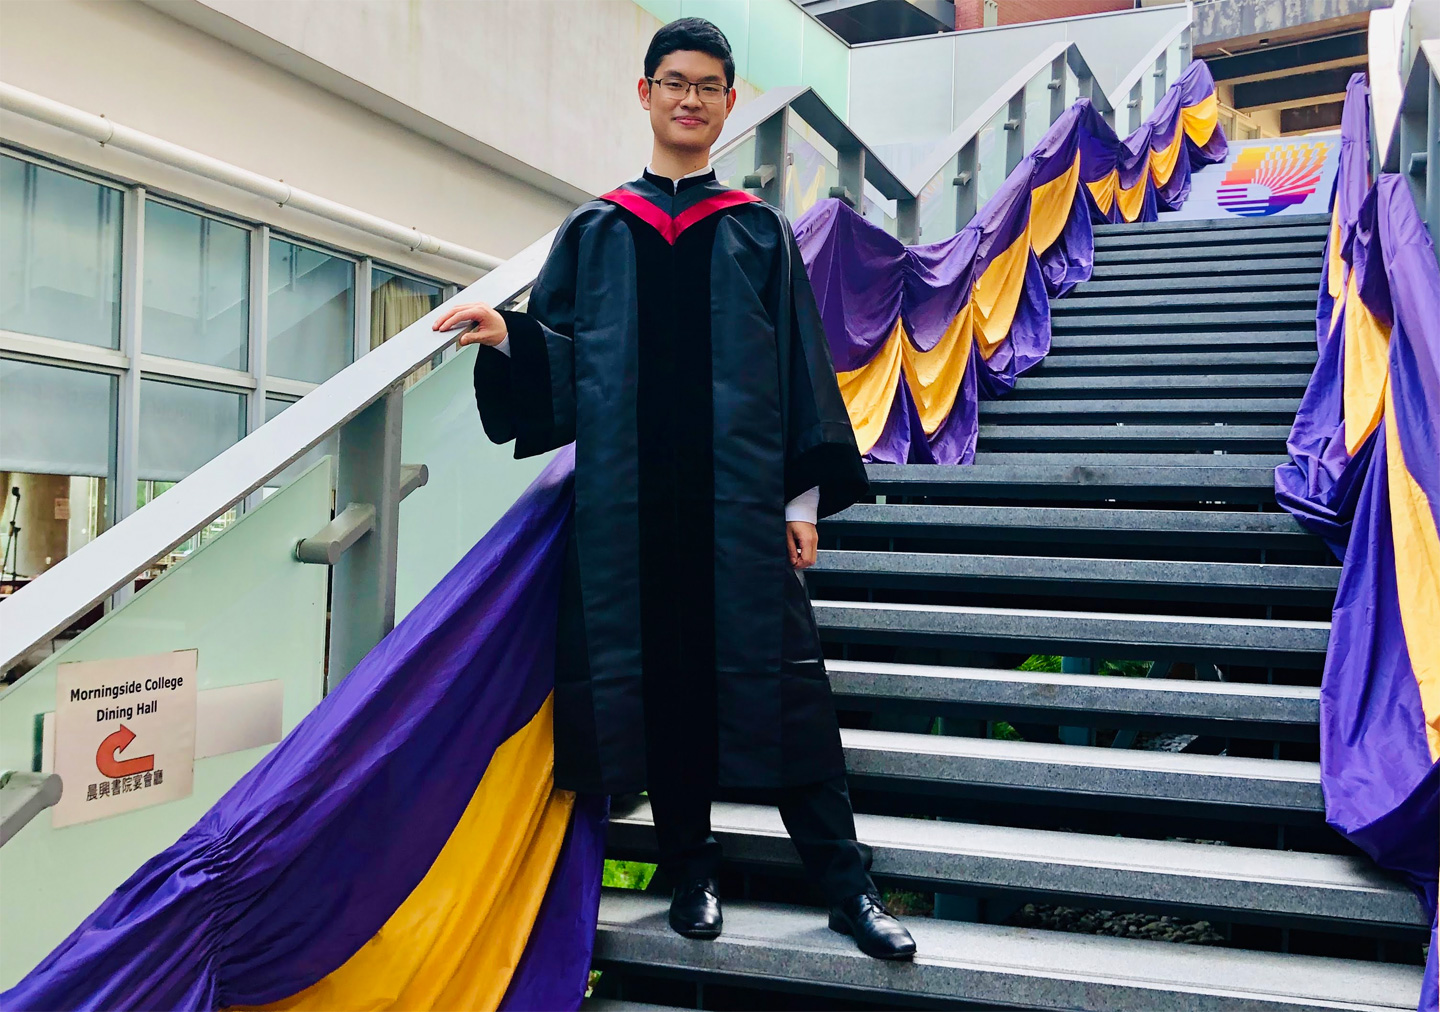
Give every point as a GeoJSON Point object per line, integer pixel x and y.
{"type": "Point", "coordinates": [41, 609]}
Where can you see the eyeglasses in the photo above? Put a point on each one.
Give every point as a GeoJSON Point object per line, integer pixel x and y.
{"type": "Point", "coordinates": [677, 88]}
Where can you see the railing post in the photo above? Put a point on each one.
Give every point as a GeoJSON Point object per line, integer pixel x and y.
{"type": "Point", "coordinates": [1057, 87]}
{"type": "Point", "coordinates": [1137, 96]}
{"type": "Point", "coordinates": [770, 159]}
{"type": "Point", "coordinates": [258, 328]}
{"type": "Point", "coordinates": [1187, 50]}
{"type": "Point", "coordinates": [1432, 162]}
{"type": "Point", "coordinates": [852, 175]}
{"type": "Point", "coordinates": [968, 186]}
{"type": "Point", "coordinates": [1015, 131]}
{"type": "Point", "coordinates": [1161, 66]}
{"type": "Point", "coordinates": [362, 590]}
{"type": "Point", "coordinates": [907, 220]}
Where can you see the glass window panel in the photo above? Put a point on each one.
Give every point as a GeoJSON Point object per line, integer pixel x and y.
{"type": "Point", "coordinates": [47, 517]}
{"type": "Point", "coordinates": [1037, 108]}
{"type": "Point", "coordinates": [182, 427]}
{"type": "Point", "coordinates": [78, 439]}
{"type": "Point", "coordinates": [813, 170]}
{"type": "Point", "coordinates": [311, 313]}
{"type": "Point", "coordinates": [395, 303]}
{"type": "Point", "coordinates": [197, 287]}
{"type": "Point", "coordinates": [59, 255]}
{"type": "Point", "coordinates": [990, 157]}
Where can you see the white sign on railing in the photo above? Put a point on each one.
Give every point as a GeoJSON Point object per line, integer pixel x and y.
{"type": "Point", "coordinates": [124, 734]}
{"type": "Point", "coordinates": [1264, 178]}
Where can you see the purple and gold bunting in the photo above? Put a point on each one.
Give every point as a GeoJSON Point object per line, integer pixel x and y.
{"type": "Point", "coordinates": [920, 334]}
{"type": "Point", "coordinates": [1365, 475]}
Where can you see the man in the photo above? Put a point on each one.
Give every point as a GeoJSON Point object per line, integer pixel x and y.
{"type": "Point", "coordinates": [673, 336]}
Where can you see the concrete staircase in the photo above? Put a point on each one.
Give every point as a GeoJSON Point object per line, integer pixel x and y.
{"type": "Point", "coordinates": [1120, 509]}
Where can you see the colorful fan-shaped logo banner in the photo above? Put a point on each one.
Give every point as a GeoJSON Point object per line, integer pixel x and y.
{"type": "Point", "coordinates": [1272, 177]}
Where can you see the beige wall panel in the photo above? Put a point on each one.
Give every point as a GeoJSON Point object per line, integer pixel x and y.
{"type": "Point", "coordinates": [148, 71]}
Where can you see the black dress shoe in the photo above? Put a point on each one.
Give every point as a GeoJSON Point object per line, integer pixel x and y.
{"type": "Point", "coordinates": [695, 908]}
{"type": "Point", "coordinates": [864, 917]}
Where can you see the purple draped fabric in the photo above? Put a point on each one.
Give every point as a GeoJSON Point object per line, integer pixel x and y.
{"type": "Point", "coordinates": [269, 891]}
{"type": "Point", "coordinates": [1381, 783]}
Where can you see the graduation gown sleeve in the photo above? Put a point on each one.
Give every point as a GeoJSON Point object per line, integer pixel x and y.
{"type": "Point", "coordinates": [529, 394]}
{"type": "Point", "coordinates": [820, 448]}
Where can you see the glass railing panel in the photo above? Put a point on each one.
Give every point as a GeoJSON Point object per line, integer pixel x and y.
{"type": "Point", "coordinates": [254, 615]}
{"type": "Point", "coordinates": [937, 204]}
{"type": "Point", "coordinates": [1037, 108]}
{"type": "Point", "coordinates": [990, 170]}
{"type": "Point", "coordinates": [1072, 87]}
{"type": "Point", "coordinates": [735, 164]}
{"type": "Point", "coordinates": [814, 168]}
{"type": "Point", "coordinates": [472, 480]}
{"type": "Point", "coordinates": [1172, 60]}
{"type": "Point", "coordinates": [1147, 91]}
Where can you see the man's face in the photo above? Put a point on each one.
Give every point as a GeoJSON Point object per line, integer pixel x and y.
{"type": "Point", "coordinates": [685, 120]}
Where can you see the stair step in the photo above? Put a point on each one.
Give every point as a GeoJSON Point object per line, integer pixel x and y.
{"type": "Point", "coordinates": [1201, 877]}
{"type": "Point", "coordinates": [1267, 642]}
{"type": "Point", "coordinates": [1183, 361]}
{"type": "Point", "coordinates": [1270, 280]}
{"type": "Point", "coordinates": [1241, 478]}
{"type": "Point", "coordinates": [1243, 320]}
{"type": "Point", "coordinates": [1043, 772]}
{"type": "Point", "coordinates": [1168, 224]}
{"type": "Point", "coordinates": [1032, 574]}
{"type": "Point", "coordinates": [1225, 709]}
{"type": "Point", "coordinates": [1247, 438]}
{"type": "Point", "coordinates": [1151, 341]}
{"type": "Point", "coordinates": [1251, 410]}
{"type": "Point", "coordinates": [1313, 249]}
{"type": "Point", "coordinates": [1237, 268]}
{"type": "Point", "coordinates": [620, 1005]}
{"type": "Point", "coordinates": [1214, 240]}
{"type": "Point", "coordinates": [791, 948]}
{"type": "Point", "coordinates": [1154, 300]}
{"type": "Point", "coordinates": [1074, 526]}
{"type": "Point", "coordinates": [1179, 385]}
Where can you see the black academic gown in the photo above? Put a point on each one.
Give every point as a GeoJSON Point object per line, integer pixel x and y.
{"type": "Point", "coordinates": [675, 339]}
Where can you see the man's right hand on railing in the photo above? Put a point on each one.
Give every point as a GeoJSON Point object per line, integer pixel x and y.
{"type": "Point", "coordinates": [487, 326]}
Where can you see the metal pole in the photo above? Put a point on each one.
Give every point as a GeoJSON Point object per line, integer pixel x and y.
{"type": "Point", "coordinates": [907, 220]}
{"type": "Point", "coordinates": [966, 179]}
{"type": "Point", "coordinates": [362, 593]}
{"type": "Point", "coordinates": [124, 498]}
{"type": "Point", "coordinates": [1057, 87]}
{"type": "Point", "coordinates": [852, 175]}
{"type": "Point", "coordinates": [1161, 63]}
{"type": "Point", "coordinates": [1137, 95]}
{"type": "Point", "coordinates": [771, 158]}
{"type": "Point", "coordinates": [259, 316]}
{"type": "Point", "coordinates": [1015, 131]}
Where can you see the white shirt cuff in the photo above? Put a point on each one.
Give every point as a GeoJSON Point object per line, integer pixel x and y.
{"type": "Point", "coordinates": [805, 507]}
{"type": "Point", "coordinates": [504, 346]}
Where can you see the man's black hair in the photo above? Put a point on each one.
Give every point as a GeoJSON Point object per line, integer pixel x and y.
{"type": "Point", "coordinates": [692, 35]}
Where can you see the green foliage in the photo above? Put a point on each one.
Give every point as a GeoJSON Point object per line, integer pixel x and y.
{"type": "Point", "coordinates": [1126, 669]}
{"type": "Point", "coordinates": [1003, 731]}
{"type": "Point", "coordinates": [1040, 662]}
{"type": "Point", "coordinates": [628, 874]}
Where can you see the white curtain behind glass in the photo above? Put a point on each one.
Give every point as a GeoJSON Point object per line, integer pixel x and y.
{"type": "Point", "coordinates": [182, 427]}
{"type": "Point", "coordinates": [54, 420]}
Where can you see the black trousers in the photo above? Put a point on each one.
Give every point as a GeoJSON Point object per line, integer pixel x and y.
{"type": "Point", "coordinates": [817, 816]}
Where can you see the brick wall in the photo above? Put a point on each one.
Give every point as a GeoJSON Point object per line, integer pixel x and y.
{"type": "Point", "coordinates": [971, 13]}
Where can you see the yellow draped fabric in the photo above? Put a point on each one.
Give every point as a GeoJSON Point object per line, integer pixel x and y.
{"type": "Point", "coordinates": [1367, 368]}
{"type": "Point", "coordinates": [1417, 573]}
{"type": "Point", "coordinates": [1103, 189]}
{"type": "Point", "coordinates": [997, 293]}
{"type": "Point", "coordinates": [1131, 201]}
{"type": "Point", "coordinates": [935, 375]}
{"type": "Point", "coordinates": [1200, 119]}
{"type": "Point", "coordinates": [1162, 162]}
{"type": "Point", "coordinates": [869, 390]}
{"type": "Point", "coordinates": [1050, 207]}
{"type": "Point", "coordinates": [455, 941]}
{"type": "Point", "coordinates": [1335, 269]}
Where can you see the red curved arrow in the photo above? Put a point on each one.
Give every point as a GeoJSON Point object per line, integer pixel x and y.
{"type": "Point", "coordinates": [113, 768]}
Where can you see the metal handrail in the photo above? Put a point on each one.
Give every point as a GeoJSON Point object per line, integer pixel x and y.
{"type": "Point", "coordinates": [44, 607]}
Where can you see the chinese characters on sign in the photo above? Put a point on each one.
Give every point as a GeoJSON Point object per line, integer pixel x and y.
{"type": "Point", "coordinates": [124, 734]}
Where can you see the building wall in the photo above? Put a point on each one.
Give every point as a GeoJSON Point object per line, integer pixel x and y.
{"type": "Point", "coordinates": [971, 13]}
